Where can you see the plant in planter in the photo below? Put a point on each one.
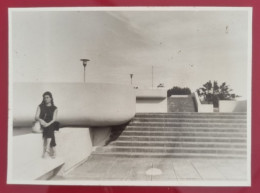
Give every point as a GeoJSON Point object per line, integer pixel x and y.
{"type": "Point", "coordinates": [212, 93]}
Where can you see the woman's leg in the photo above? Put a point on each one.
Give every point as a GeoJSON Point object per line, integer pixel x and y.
{"type": "Point", "coordinates": [53, 152]}
{"type": "Point", "coordinates": [48, 144]}
{"type": "Point", "coordinates": [52, 145]}
{"type": "Point", "coordinates": [53, 141]}
{"type": "Point", "coordinates": [44, 147]}
{"type": "Point", "coordinates": [50, 141]}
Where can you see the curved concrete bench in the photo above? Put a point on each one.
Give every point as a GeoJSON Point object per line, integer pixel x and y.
{"type": "Point", "coordinates": [79, 104]}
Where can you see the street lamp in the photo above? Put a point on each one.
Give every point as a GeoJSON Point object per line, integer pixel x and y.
{"type": "Point", "coordinates": [84, 65]}
{"type": "Point", "coordinates": [131, 76]}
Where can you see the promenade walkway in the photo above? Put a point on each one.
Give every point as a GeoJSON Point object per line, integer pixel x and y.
{"type": "Point", "coordinates": [158, 169]}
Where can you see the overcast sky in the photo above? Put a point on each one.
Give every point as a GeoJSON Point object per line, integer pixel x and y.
{"type": "Point", "coordinates": [186, 48]}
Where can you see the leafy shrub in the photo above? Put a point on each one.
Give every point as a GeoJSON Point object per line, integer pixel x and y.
{"type": "Point", "coordinates": [178, 91]}
{"type": "Point", "coordinates": [212, 93]}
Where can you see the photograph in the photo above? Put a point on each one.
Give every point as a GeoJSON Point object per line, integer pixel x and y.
{"type": "Point", "coordinates": [130, 96]}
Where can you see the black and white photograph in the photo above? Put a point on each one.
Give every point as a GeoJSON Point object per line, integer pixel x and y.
{"type": "Point", "coordinates": [130, 96]}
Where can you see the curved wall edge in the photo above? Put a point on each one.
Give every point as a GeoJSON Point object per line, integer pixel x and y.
{"type": "Point", "coordinates": [79, 104]}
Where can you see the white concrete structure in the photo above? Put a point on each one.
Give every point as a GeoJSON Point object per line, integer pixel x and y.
{"type": "Point", "coordinates": [179, 96]}
{"type": "Point", "coordinates": [203, 108]}
{"type": "Point", "coordinates": [151, 100]}
{"type": "Point", "coordinates": [89, 104]}
{"type": "Point", "coordinates": [74, 145]}
{"type": "Point", "coordinates": [232, 106]}
{"type": "Point", "coordinates": [79, 104]}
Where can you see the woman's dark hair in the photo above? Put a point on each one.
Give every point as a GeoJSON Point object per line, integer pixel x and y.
{"type": "Point", "coordinates": [50, 95]}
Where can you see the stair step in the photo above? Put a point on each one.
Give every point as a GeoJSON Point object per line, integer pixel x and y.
{"type": "Point", "coordinates": [165, 155]}
{"type": "Point", "coordinates": [184, 119]}
{"type": "Point", "coordinates": [193, 115]}
{"type": "Point", "coordinates": [171, 150]}
{"type": "Point", "coordinates": [186, 138]}
{"type": "Point", "coordinates": [186, 124]}
{"type": "Point", "coordinates": [191, 129]}
{"type": "Point", "coordinates": [177, 144]}
{"type": "Point", "coordinates": [182, 133]}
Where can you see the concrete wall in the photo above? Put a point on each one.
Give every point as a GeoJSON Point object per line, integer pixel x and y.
{"type": "Point", "coordinates": [232, 106]}
{"type": "Point", "coordinates": [100, 135]}
{"type": "Point", "coordinates": [202, 108]}
{"type": "Point", "coordinates": [179, 96]}
{"type": "Point", "coordinates": [181, 103]}
{"type": "Point", "coordinates": [89, 104]}
{"type": "Point", "coordinates": [151, 105]}
{"type": "Point", "coordinates": [74, 145]}
{"type": "Point", "coordinates": [151, 100]}
{"type": "Point", "coordinates": [151, 93]}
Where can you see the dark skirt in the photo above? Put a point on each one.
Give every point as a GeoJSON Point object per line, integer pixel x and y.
{"type": "Point", "coordinates": [48, 132]}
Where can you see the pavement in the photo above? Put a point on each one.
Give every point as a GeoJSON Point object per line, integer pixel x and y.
{"type": "Point", "coordinates": [158, 169]}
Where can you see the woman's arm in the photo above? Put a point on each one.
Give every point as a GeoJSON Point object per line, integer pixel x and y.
{"type": "Point", "coordinates": [54, 118]}
{"type": "Point", "coordinates": [37, 117]}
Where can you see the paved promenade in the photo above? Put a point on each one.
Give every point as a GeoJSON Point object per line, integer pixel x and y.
{"type": "Point", "coordinates": [159, 169]}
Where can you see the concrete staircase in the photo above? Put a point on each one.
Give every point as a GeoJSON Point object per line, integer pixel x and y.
{"type": "Point", "coordinates": [181, 104]}
{"type": "Point", "coordinates": [180, 135]}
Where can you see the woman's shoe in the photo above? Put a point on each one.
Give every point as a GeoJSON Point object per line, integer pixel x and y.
{"type": "Point", "coordinates": [45, 153]}
{"type": "Point", "coordinates": [53, 156]}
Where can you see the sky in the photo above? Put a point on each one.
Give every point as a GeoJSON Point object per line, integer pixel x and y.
{"type": "Point", "coordinates": [184, 48]}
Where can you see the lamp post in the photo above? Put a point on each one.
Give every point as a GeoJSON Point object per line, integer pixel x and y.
{"type": "Point", "coordinates": [131, 76]}
{"type": "Point", "coordinates": [84, 65]}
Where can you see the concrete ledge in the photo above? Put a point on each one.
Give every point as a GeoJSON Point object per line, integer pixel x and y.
{"type": "Point", "coordinates": [151, 105]}
{"type": "Point", "coordinates": [179, 96]}
{"type": "Point", "coordinates": [151, 93]}
{"type": "Point", "coordinates": [27, 163]}
{"type": "Point", "coordinates": [151, 100]}
{"type": "Point", "coordinates": [73, 146]}
{"type": "Point", "coordinates": [232, 106]}
{"type": "Point", "coordinates": [203, 108]}
{"type": "Point", "coordinates": [37, 168]}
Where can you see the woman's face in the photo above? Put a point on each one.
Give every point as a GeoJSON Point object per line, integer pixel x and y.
{"type": "Point", "coordinates": [47, 99]}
